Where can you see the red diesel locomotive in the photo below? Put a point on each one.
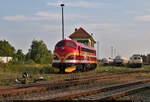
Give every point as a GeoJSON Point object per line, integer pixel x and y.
{"type": "Point", "coordinates": [70, 56]}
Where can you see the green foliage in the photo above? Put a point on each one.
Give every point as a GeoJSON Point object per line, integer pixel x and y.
{"type": "Point", "coordinates": [111, 69]}
{"type": "Point", "coordinates": [144, 57]}
{"type": "Point", "coordinates": [24, 68]}
{"type": "Point", "coordinates": [19, 57]}
{"type": "Point", "coordinates": [5, 83]}
{"type": "Point", "coordinates": [6, 49]}
{"type": "Point", "coordinates": [46, 70]}
{"type": "Point", "coordinates": [31, 69]}
{"type": "Point", "coordinates": [148, 58]}
{"type": "Point", "coordinates": [30, 61]}
{"type": "Point", "coordinates": [39, 53]}
{"type": "Point", "coordinates": [3, 65]}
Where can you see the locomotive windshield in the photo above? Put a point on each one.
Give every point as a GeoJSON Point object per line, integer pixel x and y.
{"type": "Point", "coordinates": [60, 44]}
{"type": "Point", "coordinates": [70, 44]}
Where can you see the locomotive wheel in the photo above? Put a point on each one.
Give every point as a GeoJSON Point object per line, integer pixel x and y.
{"type": "Point", "coordinates": [88, 67]}
{"type": "Point", "coordinates": [94, 66]}
{"type": "Point", "coordinates": [140, 65]}
{"type": "Point", "coordinates": [80, 67]}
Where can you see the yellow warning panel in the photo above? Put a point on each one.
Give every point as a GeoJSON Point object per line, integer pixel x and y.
{"type": "Point", "coordinates": [70, 69]}
{"type": "Point", "coordinates": [56, 69]}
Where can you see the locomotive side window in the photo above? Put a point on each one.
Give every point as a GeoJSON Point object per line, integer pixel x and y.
{"type": "Point", "coordinates": [61, 44]}
{"type": "Point", "coordinates": [87, 50]}
{"type": "Point", "coordinates": [70, 44]}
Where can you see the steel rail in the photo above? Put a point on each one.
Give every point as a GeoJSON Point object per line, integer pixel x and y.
{"type": "Point", "coordinates": [43, 86]}
{"type": "Point", "coordinates": [99, 90]}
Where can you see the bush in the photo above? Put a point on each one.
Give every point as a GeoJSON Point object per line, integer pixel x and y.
{"type": "Point", "coordinates": [30, 61]}
{"type": "Point", "coordinates": [31, 68]}
{"type": "Point", "coordinates": [46, 70]}
{"type": "Point", "coordinates": [3, 65]}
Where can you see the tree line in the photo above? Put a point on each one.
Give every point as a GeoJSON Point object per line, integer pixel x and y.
{"type": "Point", "coordinates": [146, 58]}
{"type": "Point", "coordinates": [38, 53]}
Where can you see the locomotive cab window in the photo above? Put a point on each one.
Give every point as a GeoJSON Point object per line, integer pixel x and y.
{"type": "Point", "coordinates": [60, 44]}
{"type": "Point", "coordinates": [70, 44]}
{"type": "Point", "coordinates": [87, 50]}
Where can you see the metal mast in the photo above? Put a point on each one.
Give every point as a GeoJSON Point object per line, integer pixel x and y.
{"type": "Point", "coordinates": [112, 51]}
{"type": "Point", "coordinates": [62, 5]}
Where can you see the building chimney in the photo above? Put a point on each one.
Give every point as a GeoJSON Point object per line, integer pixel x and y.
{"type": "Point", "coordinates": [76, 29]}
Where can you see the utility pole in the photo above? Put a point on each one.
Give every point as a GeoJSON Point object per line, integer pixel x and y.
{"type": "Point", "coordinates": [112, 48]}
{"type": "Point", "coordinates": [62, 5]}
{"type": "Point", "coordinates": [97, 49]}
{"type": "Point", "coordinates": [115, 52]}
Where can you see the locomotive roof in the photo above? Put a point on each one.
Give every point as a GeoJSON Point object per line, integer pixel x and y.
{"type": "Point", "coordinates": [79, 44]}
{"type": "Point", "coordinates": [120, 57]}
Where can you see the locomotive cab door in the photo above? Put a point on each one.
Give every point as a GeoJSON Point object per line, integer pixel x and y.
{"type": "Point", "coordinates": [79, 65]}
{"type": "Point", "coordinates": [79, 49]}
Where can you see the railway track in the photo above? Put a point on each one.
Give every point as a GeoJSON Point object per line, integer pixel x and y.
{"type": "Point", "coordinates": [105, 93]}
{"type": "Point", "coordinates": [50, 85]}
{"type": "Point", "coordinates": [16, 90]}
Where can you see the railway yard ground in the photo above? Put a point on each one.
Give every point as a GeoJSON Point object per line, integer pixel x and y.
{"type": "Point", "coordinates": [105, 83]}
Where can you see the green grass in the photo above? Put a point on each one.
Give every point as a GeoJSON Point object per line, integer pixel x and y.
{"type": "Point", "coordinates": [115, 69]}
{"type": "Point", "coordinates": [14, 71]}
{"type": "Point", "coordinates": [146, 66]}
{"type": "Point", "coordinates": [32, 69]}
{"type": "Point", "coordinates": [102, 68]}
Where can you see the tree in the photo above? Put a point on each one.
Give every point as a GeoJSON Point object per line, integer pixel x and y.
{"type": "Point", "coordinates": [148, 58]}
{"type": "Point", "coordinates": [20, 56]}
{"type": "Point", "coordinates": [39, 53]}
{"type": "Point", "coordinates": [144, 58]}
{"type": "Point", "coordinates": [6, 49]}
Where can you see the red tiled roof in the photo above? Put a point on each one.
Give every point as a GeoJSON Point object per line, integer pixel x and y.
{"type": "Point", "coordinates": [80, 33]}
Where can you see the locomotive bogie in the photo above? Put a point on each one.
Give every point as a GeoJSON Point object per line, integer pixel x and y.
{"type": "Point", "coordinates": [70, 67]}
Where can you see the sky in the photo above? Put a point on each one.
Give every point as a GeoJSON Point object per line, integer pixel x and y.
{"type": "Point", "coordinates": [121, 24]}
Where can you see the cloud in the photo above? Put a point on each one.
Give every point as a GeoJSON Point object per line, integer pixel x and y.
{"type": "Point", "coordinates": [83, 4]}
{"type": "Point", "coordinates": [14, 18]}
{"type": "Point", "coordinates": [47, 15]}
{"type": "Point", "coordinates": [143, 18]}
{"type": "Point", "coordinates": [41, 15]}
{"type": "Point", "coordinates": [107, 26]}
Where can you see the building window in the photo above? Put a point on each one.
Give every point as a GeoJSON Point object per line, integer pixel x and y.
{"type": "Point", "coordinates": [85, 42]}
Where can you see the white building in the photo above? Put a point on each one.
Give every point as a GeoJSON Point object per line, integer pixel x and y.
{"type": "Point", "coordinates": [5, 59]}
